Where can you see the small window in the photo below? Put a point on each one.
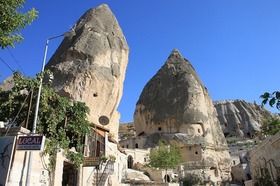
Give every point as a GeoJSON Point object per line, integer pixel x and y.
{"type": "Point", "coordinates": [126, 146]}
{"type": "Point", "coordinates": [198, 130]}
{"type": "Point", "coordinates": [136, 145]}
{"type": "Point", "coordinates": [233, 162]}
{"type": "Point", "coordinates": [190, 148]}
{"type": "Point", "coordinates": [196, 152]}
{"type": "Point", "coordinates": [145, 159]}
{"type": "Point", "coordinates": [159, 128]}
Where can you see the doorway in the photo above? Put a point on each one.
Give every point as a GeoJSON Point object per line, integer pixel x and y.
{"type": "Point", "coordinates": [69, 176]}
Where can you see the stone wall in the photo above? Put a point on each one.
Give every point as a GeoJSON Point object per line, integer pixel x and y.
{"type": "Point", "coordinates": [266, 156]}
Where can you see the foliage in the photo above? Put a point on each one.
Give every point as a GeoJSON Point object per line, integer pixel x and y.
{"type": "Point", "coordinates": [271, 126]}
{"type": "Point", "coordinates": [164, 156]}
{"type": "Point", "coordinates": [63, 124]}
{"type": "Point", "coordinates": [191, 179]}
{"type": "Point", "coordinates": [12, 21]}
{"type": "Point", "coordinates": [272, 99]}
{"type": "Point", "coordinates": [264, 178]}
{"type": "Point", "coordinates": [103, 159]}
{"type": "Point", "coordinates": [112, 158]}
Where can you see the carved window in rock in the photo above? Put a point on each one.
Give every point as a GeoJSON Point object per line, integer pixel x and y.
{"type": "Point", "coordinates": [136, 145]}
{"type": "Point", "coordinates": [142, 133]}
{"type": "Point", "coordinates": [159, 128]}
{"type": "Point", "coordinates": [167, 178]}
{"type": "Point", "coordinates": [129, 162]}
{"type": "Point", "coordinates": [198, 130]}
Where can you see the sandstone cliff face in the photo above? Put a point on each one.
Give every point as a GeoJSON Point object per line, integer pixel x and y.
{"type": "Point", "coordinates": [90, 67]}
{"type": "Point", "coordinates": [175, 106]}
{"type": "Point", "coordinates": [240, 118]}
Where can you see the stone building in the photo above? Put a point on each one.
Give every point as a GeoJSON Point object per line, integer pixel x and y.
{"type": "Point", "coordinates": [64, 173]}
{"type": "Point", "coordinates": [264, 159]}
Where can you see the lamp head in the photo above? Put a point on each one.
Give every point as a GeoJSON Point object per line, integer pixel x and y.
{"type": "Point", "coordinates": [70, 33]}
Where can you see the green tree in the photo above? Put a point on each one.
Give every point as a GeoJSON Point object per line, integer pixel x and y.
{"type": "Point", "coordinates": [164, 156]}
{"type": "Point", "coordinates": [191, 179]}
{"type": "Point", "coordinates": [272, 99]}
{"type": "Point", "coordinates": [12, 21]}
{"type": "Point", "coordinates": [63, 123]}
{"type": "Point", "coordinates": [271, 126]}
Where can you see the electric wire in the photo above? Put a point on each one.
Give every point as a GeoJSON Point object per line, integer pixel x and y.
{"type": "Point", "coordinates": [7, 65]}
{"type": "Point", "coordinates": [16, 62]}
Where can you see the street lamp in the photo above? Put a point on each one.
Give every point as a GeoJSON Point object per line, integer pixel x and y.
{"type": "Point", "coordinates": [66, 34]}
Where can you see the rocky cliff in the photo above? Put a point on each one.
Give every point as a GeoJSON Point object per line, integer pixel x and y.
{"type": "Point", "coordinates": [240, 118]}
{"type": "Point", "coordinates": [90, 66]}
{"type": "Point", "coordinates": [176, 107]}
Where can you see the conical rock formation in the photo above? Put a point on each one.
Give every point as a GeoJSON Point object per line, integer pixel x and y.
{"type": "Point", "coordinates": [176, 107]}
{"type": "Point", "coordinates": [90, 67]}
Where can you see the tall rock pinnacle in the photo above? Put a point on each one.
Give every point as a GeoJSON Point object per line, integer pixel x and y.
{"type": "Point", "coordinates": [174, 106]}
{"type": "Point", "coordinates": [175, 93]}
{"type": "Point", "coordinates": [90, 67]}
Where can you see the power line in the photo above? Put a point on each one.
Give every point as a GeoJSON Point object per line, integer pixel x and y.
{"type": "Point", "coordinates": [7, 65]}
{"type": "Point", "coordinates": [16, 62]}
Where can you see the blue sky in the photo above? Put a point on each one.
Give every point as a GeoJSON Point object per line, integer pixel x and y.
{"type": "Point", "coordinates": [234, 45]}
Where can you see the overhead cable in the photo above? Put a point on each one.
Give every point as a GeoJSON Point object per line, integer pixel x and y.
{"type": "Point", "coordinates": [7, 65]}
{"type": "Point", "coordinates": [16, 62]}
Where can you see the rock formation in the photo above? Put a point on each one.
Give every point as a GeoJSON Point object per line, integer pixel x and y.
{"type": "Point", "coordinates": [7, 84]}
{"type": "Point", "coordinates": [240, 118]}
{"type": "Point", "coordinates": [90, 66]}
{"type": "Point", "coordinates": [176, 107]}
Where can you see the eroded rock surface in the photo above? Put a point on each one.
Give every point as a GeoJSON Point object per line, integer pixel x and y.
{"type": "Point", "coordinates": [175, 106]}
{"type": "Point", "coordinates": [7, 84]}
{"type": "Point", "coordinates": [240, 118]}
{"type": "Point", "coordinates": [90, 66]}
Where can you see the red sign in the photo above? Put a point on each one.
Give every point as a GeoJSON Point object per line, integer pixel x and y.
{"type": "Point", "coordinates": [30, 142]}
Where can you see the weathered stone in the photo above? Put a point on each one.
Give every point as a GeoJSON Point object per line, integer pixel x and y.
{"type": "Point", "coordinates": [240, 118]}
{"type": "Point", "coordinates": [90, 66]}
{"type": "Point", "coordinates": [175, 107]}
{"type": "Point", "coordinates": [7, 84]}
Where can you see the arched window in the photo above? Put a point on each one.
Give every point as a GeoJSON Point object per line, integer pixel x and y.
{"type": "Point", "coordinates": [136, 145]}
{"type": "Point", "coordinates": [167, 178]}
{"type": "Point", "coordinates": [129, 162]}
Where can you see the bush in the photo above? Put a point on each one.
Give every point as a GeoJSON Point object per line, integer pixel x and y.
{"type": "Point", "coordinates": [191, 180]}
